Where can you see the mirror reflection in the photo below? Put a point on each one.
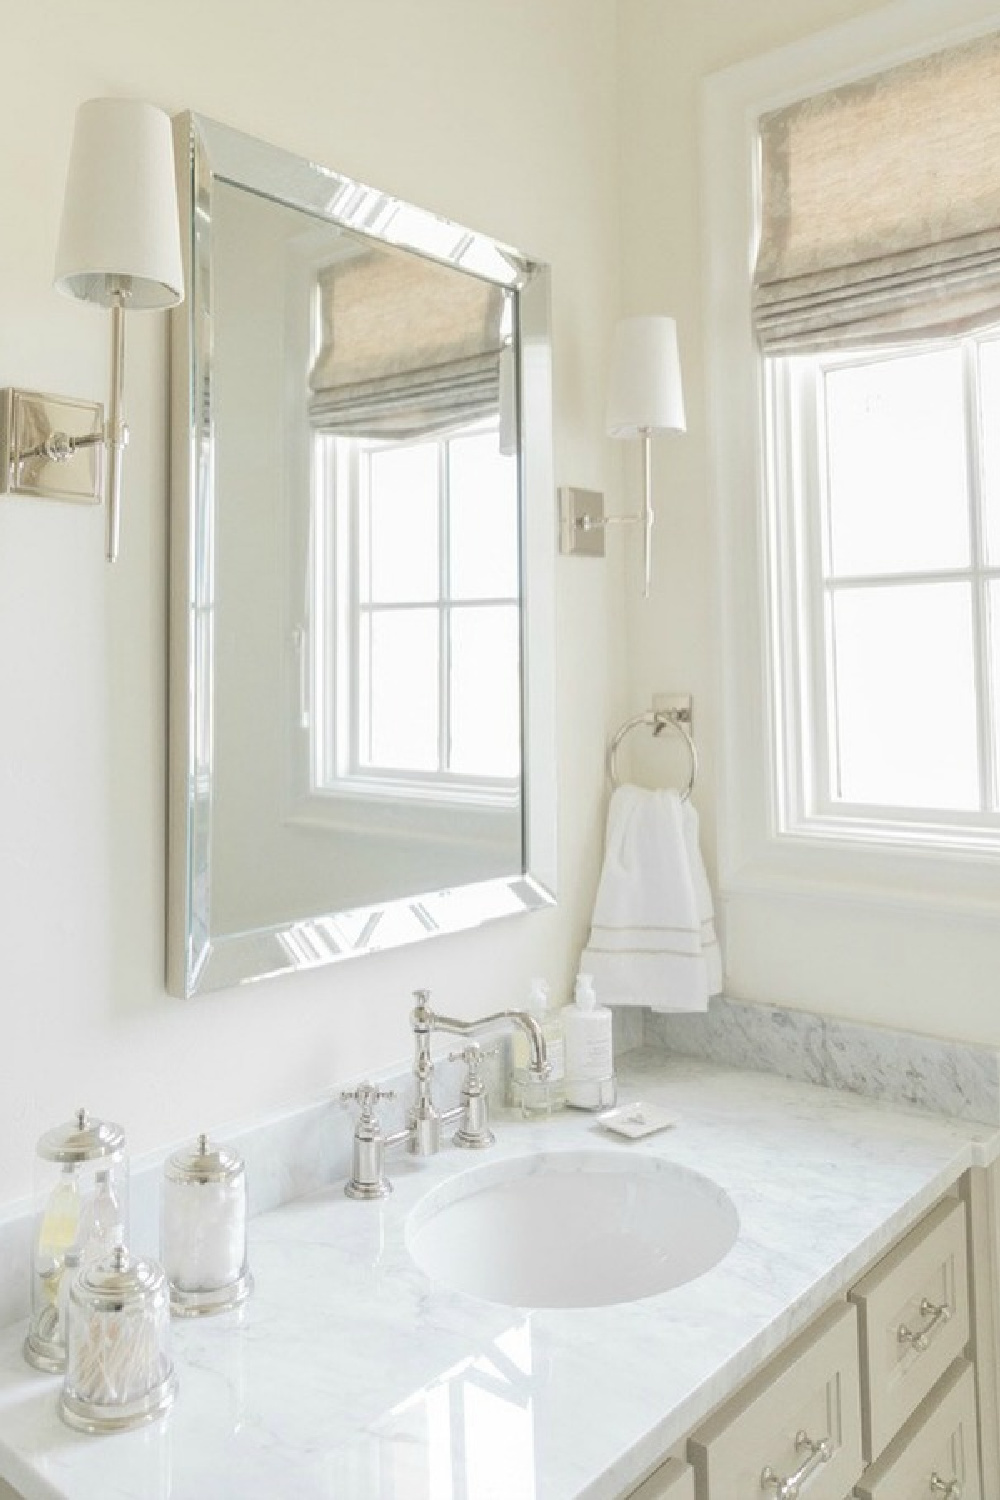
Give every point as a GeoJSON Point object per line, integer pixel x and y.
{"type": "Point", "coordinates": [350, 565]}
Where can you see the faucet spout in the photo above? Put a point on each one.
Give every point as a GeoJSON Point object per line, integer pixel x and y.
{"type": "Point", "coordinates": [424, 1017]}
{"type": "Point", "coordinates": [424, 1119]}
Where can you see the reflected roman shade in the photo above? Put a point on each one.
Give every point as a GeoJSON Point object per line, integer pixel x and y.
{"type": "Point", "coordinates": [409, 347]}
{"type": "Point", "coordinates": [880, 207]}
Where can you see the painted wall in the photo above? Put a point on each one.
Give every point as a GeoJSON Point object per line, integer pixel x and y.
{"type": "Point", "coordinates": [866, 958]}
{"type": "Point", "coordinates": [501, 115]}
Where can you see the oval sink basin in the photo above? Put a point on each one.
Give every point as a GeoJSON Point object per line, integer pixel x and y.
{"type": "Point", "coordinates": [571, 1229]}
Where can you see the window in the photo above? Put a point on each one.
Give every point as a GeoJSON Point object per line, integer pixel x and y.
{"type": "Point", "coordinates": [886, 502]}
{"type": "Point", "coordinates": [850, 315]}
{"type": "Point", "coordinates": [423, 654]}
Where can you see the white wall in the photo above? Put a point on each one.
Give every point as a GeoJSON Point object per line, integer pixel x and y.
{"type": "Point", "coordinates": [500, 114]}
{"type": "Point", "coordinates": [867, 958]}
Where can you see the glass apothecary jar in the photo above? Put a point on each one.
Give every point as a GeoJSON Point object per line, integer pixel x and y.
{"type": "Point", "coordinates": [204, 1229]}
{"type": "Point", "coordinates": [81, 1214]}
{"type": "Point", "coordinates": [119, 1370]}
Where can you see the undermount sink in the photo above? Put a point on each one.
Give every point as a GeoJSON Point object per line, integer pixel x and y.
{"type": "Point", "coordinates": [571, 1229]}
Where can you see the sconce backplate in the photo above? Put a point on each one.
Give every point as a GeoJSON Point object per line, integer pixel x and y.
{"type": "Point", "coordinates": [52, 447]}
{"type": "Point", "coordinates": [581, 522]}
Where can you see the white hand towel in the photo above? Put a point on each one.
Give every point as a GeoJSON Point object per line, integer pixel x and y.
{"type": "Point", "coordinates": [652, 937]}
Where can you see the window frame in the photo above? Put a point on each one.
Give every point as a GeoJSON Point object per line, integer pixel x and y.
{"type": "Point", "coordinates": [758, 853]}
{"type": "Point", "coordinates": [802, 593]}
{"type": "Point", "coordinates": [336, 767]}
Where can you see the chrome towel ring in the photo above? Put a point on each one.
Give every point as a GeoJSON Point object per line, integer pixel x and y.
{"type": "Point", "coordinates": [658, 722]}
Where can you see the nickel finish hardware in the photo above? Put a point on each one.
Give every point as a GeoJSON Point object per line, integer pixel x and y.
{"type": "Point", "coordinates": [791, 1488]}
{"type": "Point", "coordinates": [937, 1313]}
{"type": "Point", "coordinates": [422, 1131]}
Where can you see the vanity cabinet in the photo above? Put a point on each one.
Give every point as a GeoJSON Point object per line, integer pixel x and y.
{"type": "Point", "coordinates": [803, 1419]}
{"type": "Point", "coordinates": [878, 1398]}
{"type": "Point", "coordinates": [936, 1453]}
{"type": "Point", "coordinates": [914, 1321]}
{"type": "Point", "coordinates": [673, 1480]}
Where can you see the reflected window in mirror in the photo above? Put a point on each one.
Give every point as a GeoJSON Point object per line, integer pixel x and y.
{"type": "Point", "coordinates": [416, 681]}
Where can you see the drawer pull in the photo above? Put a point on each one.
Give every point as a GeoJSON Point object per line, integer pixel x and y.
{"type": "Point", "coordinates": [949, 1489]}
{"type": "Point", "coordinates": [937, 1315]}
{"type": "Point", "coordinates": [791, 1488]}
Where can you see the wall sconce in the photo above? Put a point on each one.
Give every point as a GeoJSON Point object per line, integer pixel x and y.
{"type": "Point", "coordinates": [119, 246]}
{"type": "Point", "coordinates": [645, 395]}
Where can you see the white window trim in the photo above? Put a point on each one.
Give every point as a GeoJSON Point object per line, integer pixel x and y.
{"type": "Point", "coordinates": [755, 856]}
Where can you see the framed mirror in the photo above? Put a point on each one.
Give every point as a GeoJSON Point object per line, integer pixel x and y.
{"type": "Point", "coordinates": [362, 538]}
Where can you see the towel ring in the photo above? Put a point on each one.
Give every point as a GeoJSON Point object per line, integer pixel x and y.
{"type": "Point", "coordinates": [658, 722]}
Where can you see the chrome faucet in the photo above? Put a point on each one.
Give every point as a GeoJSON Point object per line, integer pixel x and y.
{"type": "Point", "coordinates": [422, 1132]}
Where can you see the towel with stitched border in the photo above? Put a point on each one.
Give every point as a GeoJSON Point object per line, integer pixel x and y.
{"type": "Point", "coordinates": [652, 936]}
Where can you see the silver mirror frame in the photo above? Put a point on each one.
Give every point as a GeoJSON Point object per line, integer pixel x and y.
{"type": "Point", "coordinates": [198, 959]}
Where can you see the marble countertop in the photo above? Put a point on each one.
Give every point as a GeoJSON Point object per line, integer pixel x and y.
{"type": "Point", "coordinates": [350, 1376]}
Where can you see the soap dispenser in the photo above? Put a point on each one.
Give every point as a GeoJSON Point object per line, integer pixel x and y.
{"type": "Point", "coordinates": [590, 1058]}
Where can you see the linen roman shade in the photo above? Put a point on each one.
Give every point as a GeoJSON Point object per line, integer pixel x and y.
{"type": "Point", "coordinates": [409, 347]}
{"type": "Point", "coordinates": [880, 206]}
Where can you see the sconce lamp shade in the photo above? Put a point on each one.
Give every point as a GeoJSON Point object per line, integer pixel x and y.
{"type": "Point", "coordinates": [120, 230]}
{"type": "Point", "coordinates": [644, 391]}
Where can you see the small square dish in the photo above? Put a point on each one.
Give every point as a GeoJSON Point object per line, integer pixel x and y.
{"type": "Point", "coordinates": [638, 1119]}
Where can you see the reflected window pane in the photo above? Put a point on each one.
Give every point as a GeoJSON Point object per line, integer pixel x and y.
{"type": "Point", "coordinates": [897, 465]}
{"type": "Point", "coordinates": [989, 365]}
{"type": "Point", "coordinates": [399, 690]}
{"type": "Point", "coordinates": [483, 494]}
{"type": "Point", "coordinates": [993, 596]}
{"type": "Point", "coordinates": [905, 701]}
{"type": "Point", "coordinates": [400, 517]}
{"type": "Point", "coordinates": [485, 692]}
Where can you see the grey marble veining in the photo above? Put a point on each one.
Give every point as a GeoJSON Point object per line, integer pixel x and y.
{"type": "Point", "coordinates": [350, 1375]}
{"type": "Point", "coordinates": [958, 1079]}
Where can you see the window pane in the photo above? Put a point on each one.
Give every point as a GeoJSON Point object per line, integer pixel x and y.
{"type": "Point", "coordinates": [897, 465]}
{"type": "Point", "coordinates": [989, 364]}
{"type": "Point", "coordinates": [402, 508]}
{"type": "Point", "coordinates": [483, 490]}
{"type": "Point", "coordinates": [905, 696]}
{"type": "Point", "coordinates": [485, 687]}
{"type": "Point", "coordinates": [399, 688]}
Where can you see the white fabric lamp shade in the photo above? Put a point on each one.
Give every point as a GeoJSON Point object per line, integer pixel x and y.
{"type": "Point", "coordinates": [120, 228]}
{"type": "Point", "coordinates": [644, 391]}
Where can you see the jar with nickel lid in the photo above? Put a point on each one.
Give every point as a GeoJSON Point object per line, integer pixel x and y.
{"type": "Point", "coordinates": [204, 1229]}
{"type": "Point", "coordinates": [119, 1370]}
{"type": "Point", "coordinates": [81, 1214]}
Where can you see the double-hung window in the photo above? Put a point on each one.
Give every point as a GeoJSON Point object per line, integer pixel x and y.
{"type": "Point", "coordinates": [877, 318]}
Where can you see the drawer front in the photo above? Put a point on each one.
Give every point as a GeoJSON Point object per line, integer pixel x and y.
{"type": "Point", "coordinates": [914, 1311]}
{"type": "Point", "coordinates": [772, 1431]}
{"type": "Point", "coordinates": [674, 1480]}
{"type": "Point", "coordinates": [937, 1453]}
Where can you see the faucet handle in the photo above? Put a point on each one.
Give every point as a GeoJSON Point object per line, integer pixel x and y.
{"type": "Point", "coordinates": [473, 1055]}
{"type": "Point", "coordinates": [367, 1096]}
{"type": "Point", "coordinates": [367, 1179]}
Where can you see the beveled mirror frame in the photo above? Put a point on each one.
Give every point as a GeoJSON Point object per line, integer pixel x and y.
{"type": "Point", "coordinates": [198, 958]}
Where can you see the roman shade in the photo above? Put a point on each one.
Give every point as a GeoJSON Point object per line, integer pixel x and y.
{"type": "Point", "coordinates": [409, 347]}
{"type": "Point", "coordinates": [880, 206]}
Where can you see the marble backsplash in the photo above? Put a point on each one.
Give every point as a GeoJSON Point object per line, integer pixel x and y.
{"type": "Point", "coordinates": [960, 1079]}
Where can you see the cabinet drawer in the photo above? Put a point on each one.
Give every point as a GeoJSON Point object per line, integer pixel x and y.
{"type": "Point", "coordinates": [937, 1449]}
{"type": "Point", "coordinates": [809, 1394]}
{"type": "Point", "coordinates": [671, 1481]}
{"type": "Point", "coordinates": [914, 1312]}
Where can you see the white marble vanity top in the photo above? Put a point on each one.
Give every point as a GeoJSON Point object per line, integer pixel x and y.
{"type": "Point", "coordinates": [352, 1377]}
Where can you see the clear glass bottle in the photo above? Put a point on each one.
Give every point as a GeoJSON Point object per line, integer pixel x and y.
{"type": "Point", "coordinates": [119, 1370]}
{"type": "Point", "coordinates": [204, 1229]}
{"type": "Point", "coordinates": [81, 1205]}
{"type": "Point", "coordinates": [534, 1097]}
